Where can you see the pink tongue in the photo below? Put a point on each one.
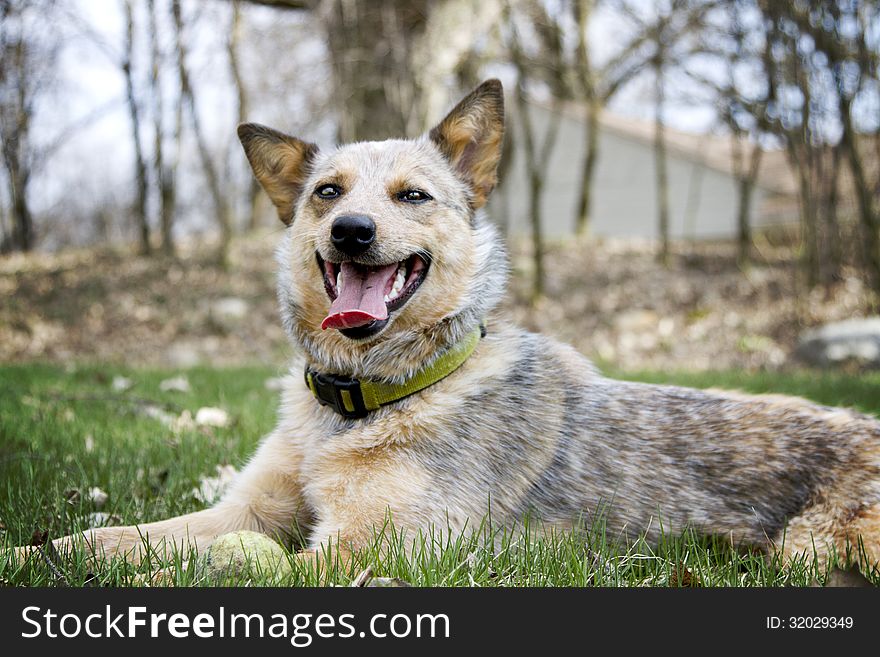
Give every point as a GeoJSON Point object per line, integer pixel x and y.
{"type": "Point", "coordinates": [361, 299]}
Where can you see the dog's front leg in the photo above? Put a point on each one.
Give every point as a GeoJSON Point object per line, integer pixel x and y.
{"type": "Point", "coordinates": [193, 531]}
{"type": "Point", "coordinates": [265, 497]}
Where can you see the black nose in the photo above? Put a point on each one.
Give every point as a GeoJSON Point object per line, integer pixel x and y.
{"type": "Point", "coordinates": [352, 233]}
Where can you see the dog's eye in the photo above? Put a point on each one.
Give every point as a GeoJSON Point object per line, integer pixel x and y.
{"type": "Point", "coordinates": [328, 191]}
{"type": "Point", "coordinates": [413, 196]}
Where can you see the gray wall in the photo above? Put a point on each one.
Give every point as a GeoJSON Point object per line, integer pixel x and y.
{"type": "Point", "coordinates": [703, 201]}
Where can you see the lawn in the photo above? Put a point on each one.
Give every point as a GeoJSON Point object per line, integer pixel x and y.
{"type": "Point", "coordinates": [65, 430]}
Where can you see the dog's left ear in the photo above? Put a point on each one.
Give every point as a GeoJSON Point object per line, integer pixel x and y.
{"type": "Point", "coordinates": [280, 163]}
{"type": "Point", "coordinates": [470, 137]}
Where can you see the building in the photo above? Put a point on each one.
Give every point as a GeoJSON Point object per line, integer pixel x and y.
{"type": "Point", "coordinates": [703, 190]}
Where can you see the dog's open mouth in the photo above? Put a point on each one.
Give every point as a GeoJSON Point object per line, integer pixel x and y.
{"type": "Point", "coordinates": [362, 296]}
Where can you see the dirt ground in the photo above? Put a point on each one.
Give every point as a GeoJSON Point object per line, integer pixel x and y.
{"type": "Point", "coordinates": [608, 298]}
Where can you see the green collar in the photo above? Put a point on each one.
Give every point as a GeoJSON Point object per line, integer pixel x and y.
{"type": "Point", "coordinates": [352, 398]}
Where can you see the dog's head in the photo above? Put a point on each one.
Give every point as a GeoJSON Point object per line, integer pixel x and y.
{"type": "Point", "coordinates": [387, 257]}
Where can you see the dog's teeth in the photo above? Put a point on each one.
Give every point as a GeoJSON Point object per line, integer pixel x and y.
{"type": "Point", "coordinates": [386, 298]}
{"type": "Point", "coordinates": [339, 282]}
{"type": "Point", "coordinates": [399, 280]}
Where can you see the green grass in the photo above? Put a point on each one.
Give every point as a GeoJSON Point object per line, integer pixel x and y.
{"type": "Point", "coordinates": [48, 415]}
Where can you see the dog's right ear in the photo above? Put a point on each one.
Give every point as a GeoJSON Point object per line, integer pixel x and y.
{"type": "Point", "coordinates": [280, 163]}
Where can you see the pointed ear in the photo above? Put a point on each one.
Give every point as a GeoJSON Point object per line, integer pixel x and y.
{"type": "Point", "coordinates": [470, 137]}
{"type": "Point", "coordinates": [280, 163]}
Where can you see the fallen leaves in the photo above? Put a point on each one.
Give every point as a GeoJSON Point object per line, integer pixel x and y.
{"type": "Point", "coordinates": [274, 384]}
{"type": "Point", "coordinates": [97, 497]}
{"type": "Point", "coordinates": [366, 579]}
{"type": "Point", "coordinates": [176, 384]}
{"type": "Point", "coordinates": [98, 519]}
{"type": "Point", "coordinates": [211, 488]}
{"type": "Point", "coordinates": [121, 384]}
{"type": "Point", "coordinates": [209, 416]}
{"type": "Point", "coordinates": [684, 577]}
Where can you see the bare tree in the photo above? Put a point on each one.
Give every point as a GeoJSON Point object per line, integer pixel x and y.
{"type": "Point", "coordinates": [746, 155]}
{"type": "Point", "coordinates": [164, 170]}
{"type": "Point", "coordinates": [27, 70]}
{"type": "Point", "coordinates": [854, 66]}
{"type": "Point", "coordinates": [221, 207]}
{"type": "Point", "coordinates": [537, 148]}
{"type": "Point", "coordinates": [233, 46]}
{"type": "Point", "coordinates": [140, 207]}
{"type": "Point", "coordinates": [661, 176]}
{"type": "Point", "coordinates": [597, 85]}
{"type": "Point", "coordinates": [818, 61]}
{"type": "Point", "coordinates": [736, 41]}
{"type": "Point", "coordinates": [672, 33]}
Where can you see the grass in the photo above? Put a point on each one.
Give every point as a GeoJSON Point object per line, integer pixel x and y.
{"type": "Point", "coordinates": [66, 429]}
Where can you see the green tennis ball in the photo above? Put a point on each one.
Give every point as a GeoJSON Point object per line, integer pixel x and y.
{"type": "Point", "coordinates": [246, 553]}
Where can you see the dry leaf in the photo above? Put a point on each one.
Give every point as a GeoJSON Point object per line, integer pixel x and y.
{"type": "Point", "coordinates": [211, 488]}
{"type": "Point", "coordinates": [175, 384]}
{"type": "Point", "coordinates": [208, 416]}
{"type": "Point", "coordinates": [121, 384]}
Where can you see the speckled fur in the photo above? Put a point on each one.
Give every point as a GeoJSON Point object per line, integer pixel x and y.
{"type": "Point", "coordinates": [526, 422]}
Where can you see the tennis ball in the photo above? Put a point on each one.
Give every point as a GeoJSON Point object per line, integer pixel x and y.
{"type": "Point", "coordinates": [246, 553]}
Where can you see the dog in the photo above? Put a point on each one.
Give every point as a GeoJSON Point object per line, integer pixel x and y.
{"type": "Point", "coordinates": [411, 396]}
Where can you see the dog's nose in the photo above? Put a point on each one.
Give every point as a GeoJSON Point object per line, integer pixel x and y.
{"type": "Point", "coordinates": [352, 233]}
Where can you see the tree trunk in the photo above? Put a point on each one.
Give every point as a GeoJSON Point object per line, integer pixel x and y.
{"type": "Point", "coordinates": [833, 235]}
{"type": "Point", "coordinates": [869, 220]}
{"type": "Point", "coordinates": [140, 208]}
{"type": "Point", "coordinates": [251, 219]}
{"type": "Point", "coordinates": [370, 45]}
{"type": "Point", "coordinates": [23, 231]}
{"type": "Point", "coordinates": [164, 176]}
{"type": "Point", "coordinates": [746, 192]}
{"type": "Point", "coordinates": [810, 256]}
{"type": "Point", "coordinates": [536, 187]}
{"type": "Point", "coordinates": [588, 172]}
{"type": "Point", "coordinates": [662, 180]}
{"type": "Point", "coordinates": [22, 238]}
{"type": "Point", "coordinates": [221, 208]}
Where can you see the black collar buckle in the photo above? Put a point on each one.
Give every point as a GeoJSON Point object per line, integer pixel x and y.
{"type": "Point", "coordinates": [341, 393]}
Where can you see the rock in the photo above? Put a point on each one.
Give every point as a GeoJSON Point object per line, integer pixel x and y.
{"type": "Point", "coordinates": [246, 553]}
{"type": "Point", "coordinates": [229, 312]}
{"type": "Point", "coordinates": [852, 340]}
